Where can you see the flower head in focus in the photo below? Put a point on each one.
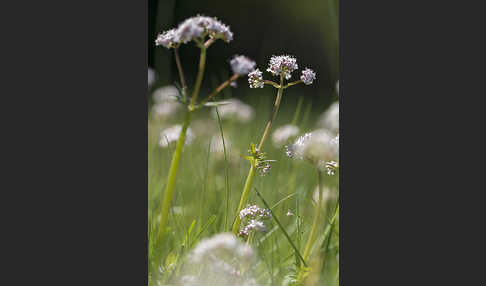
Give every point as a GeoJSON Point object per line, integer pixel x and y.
{"type": "Point", "coordinates": [282, 65]}
{"type": "Point", "coordinates": [308, 76]}
{"type": "Point", "coordinates": [242, 65]}
{"type": "Point", "coordinates": [252, 217]}
{"type": "Point", "coordinates": [255, 79]}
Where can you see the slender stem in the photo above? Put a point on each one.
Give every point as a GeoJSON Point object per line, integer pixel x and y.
{"type": "Point", "coordinates": [200, 74]}
{"type": "Point", "coordinates": [274, 114]}
{"type": "Point", "coordinates": [244, 195]}
{"type": "Point", "coordinates": [293, 83]}
{"type": "Point", "coordinates": [271, 83]}
{"type": "Point", "coordinates": [315, 224]}
{"type": "Point", "coordinates": [219, 89]}
{"type": "Point", "coordinates": [174, 165]}
{"type": "Point", "coordinates": [251, 173]}
{"type": "Point", "coordinates": [181, 72]}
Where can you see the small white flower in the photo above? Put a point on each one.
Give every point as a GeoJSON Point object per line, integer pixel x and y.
{"type": "Point", "coordinates": [171, 134]}
{"type": "Point", "coordinates": [289, 213]}
{"type": "Point", "coordinates": [242, 65]}
{"type": "Point", "coordinates": [283, 134]}
{"type": "Point", "coordinates": [282, 65]}
{"type": "Point", "coordinates": [308, 76]}
{"type": "Point", "coordinates": [255, 79]}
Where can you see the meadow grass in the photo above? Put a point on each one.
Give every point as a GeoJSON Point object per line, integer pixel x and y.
{"type": "Point", "coordinates": [208, 191]}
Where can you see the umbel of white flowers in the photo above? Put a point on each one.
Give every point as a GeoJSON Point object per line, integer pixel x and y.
{"type": "Point", "coordinates": [283, 66]}
{"type": "Point", "coordinates": [194, 29]}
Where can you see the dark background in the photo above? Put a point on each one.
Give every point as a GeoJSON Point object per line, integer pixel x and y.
{"type": "Point", "coordinates": [306, 29]}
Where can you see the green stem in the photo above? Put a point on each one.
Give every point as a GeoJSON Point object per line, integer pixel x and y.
{"type": "Point", "coordinates": [181, 72]}
{"type": "Point", "coordinates": [315, 224]}
{"type": "Point", "coordinates": [251, 173]}
{"type": "Point", "coordinates": [174, 165]}
{"type": "Point", "coordinates": [219, 89]}
{"type": "Point", "coordinates": [200, 74]}
{"type": "Point", "coordinates": [274, 114]}
{"type": "Point", "coordinates": [244, 195]}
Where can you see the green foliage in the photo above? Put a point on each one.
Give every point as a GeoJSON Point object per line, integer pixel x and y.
{"type": "Point", "coordinates": [208, 189]}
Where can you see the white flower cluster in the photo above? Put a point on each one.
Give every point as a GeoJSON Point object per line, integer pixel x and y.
{"type": "Point", "coordinates": [254, 212]}
{"type": "Point", "coordinates": [192, 29]}
{"type": "Point", "coordinates": [308, 76]}
{"type": "Point", "coordinates": [254, 216]}
{"type": "Point", "coordinates": [242, 65]}
{"type": "Point", "coordinates": [219, 261]}
{"type": "Point", "coordinates": [235, 109]}
{"type": "Point", "coordinates": [171, 134]}
{"type": "Point", "coordinates": [319, 147]}
{"type": "Point", "coordinates": [282, 65]}
{"type": "Point", "coordinates": [255, 79]}
{"type": "Point", "coordinates": [283, 134]}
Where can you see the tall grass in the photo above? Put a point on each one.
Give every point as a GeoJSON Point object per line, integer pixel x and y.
{"type": "Point", "coordinates": [209, 189]}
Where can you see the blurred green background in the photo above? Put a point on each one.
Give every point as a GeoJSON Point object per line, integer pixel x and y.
{"type": "Point", "coordinates": [305, 29]}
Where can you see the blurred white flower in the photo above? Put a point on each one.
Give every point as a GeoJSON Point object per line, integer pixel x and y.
{"type": "Point", "coordinates": [166, 109]}
{"type": "Point", "coordinates": [318, 147]}
{"type": "Point", "coordinates": [171, 135]}
{"type": "Point", "coordinates": [242, 65]}
{"type": "Point", "coordinates": [235, 109]}
{"type": "Point", "coordinates": [283, 134]}
{"type": "Point", "coordinates": [151, 77]}
{"type": "Point", "coordinates": [289, 213]}
{"type": "Point", "coordinates": [330, 118]}
{"type": "Point", "coordinates": [327, 195]}
{"type": "Point", "coordinates": [219, 261]}
{"type": "Point", "coordinates": [165, 93]}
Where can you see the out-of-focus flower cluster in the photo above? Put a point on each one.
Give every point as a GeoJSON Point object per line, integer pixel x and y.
{"type": "Point", "coordinates": [283, 134]}
{"type": "Point", "coordinates": [319, 147]}
{"type": "Point", "coordinates": [171, 135]}
{"type": "Point", "coordinates": [165, 102]}
{"type": "Point", "coordinates": [242, 65]}
{"type": "Point", "coordinates": [235, 109]}
{"type": "Point", "coordinates": [194, 28]}
{"type": "Point", "coordinates": [219, 261]}
{"type": "Point", "coordinates": [330, 119]}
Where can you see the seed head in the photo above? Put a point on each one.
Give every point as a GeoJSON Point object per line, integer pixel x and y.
{"type": "Point", "coordinates": [255, 79]}
{"type": "Point", "coordinates": [308, 76]}
{"type": "Point", "coordinates": [282, 65]}
{"type": "Point", "coordinates": [242, 65]}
